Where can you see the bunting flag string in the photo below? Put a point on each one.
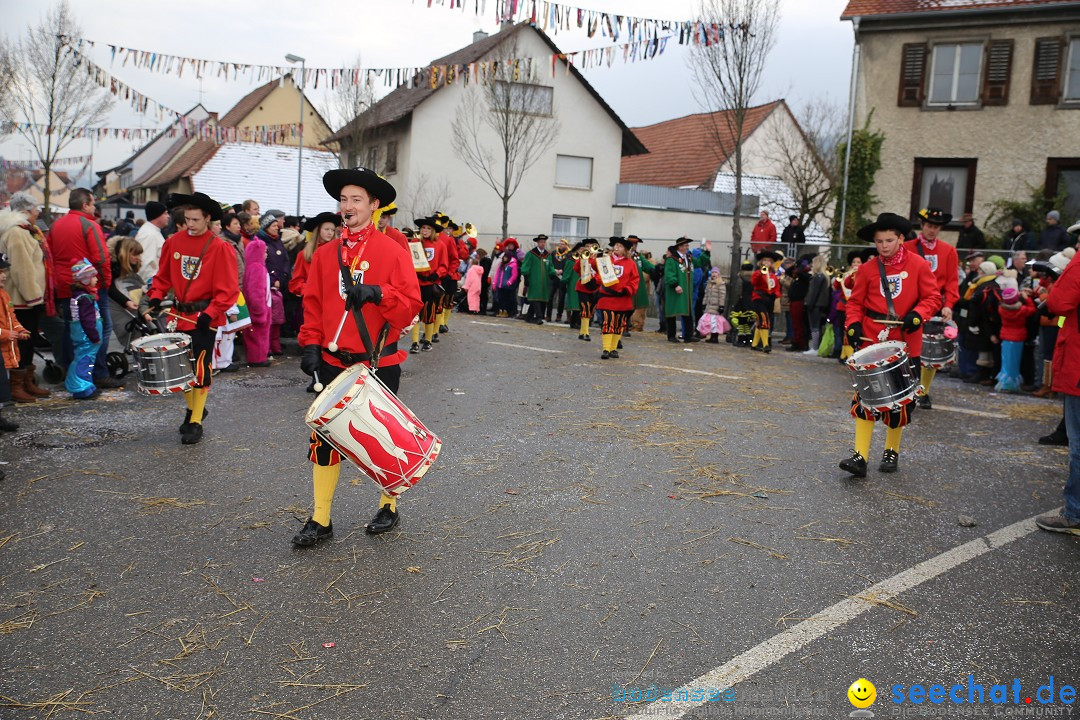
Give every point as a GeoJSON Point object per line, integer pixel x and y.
{"type": "Point", "coordinates": [181, 127]}
{"type": "Point", "coordinates": [35, 165]}
{"type": "Point", "coordinates": [644, 44]}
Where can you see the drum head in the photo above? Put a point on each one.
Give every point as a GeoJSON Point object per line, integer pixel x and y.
{"type": "Point", "coordinates": [333, 393]}
{"type": "Point", "coordinates": [877, 353]}
{"type": "Point", "coordinates": [161, 340]}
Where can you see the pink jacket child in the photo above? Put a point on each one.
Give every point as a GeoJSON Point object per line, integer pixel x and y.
{"type": "Point", "coordinates": [257, 295]}
{"type": "Point", "coordinates": [472, 287]}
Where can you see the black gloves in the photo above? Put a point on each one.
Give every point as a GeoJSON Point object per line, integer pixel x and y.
{"type": "Point", "coordinates": [203, 323]}
{"type": "Point", "coordinates": [612, 292]}
{"type": "Point", "coordinates": [155, 305]}
{"type": "Point", "coordinates": [310, 359]}
{"type": "Point", "coordinates": [912, 322]}
{"type": "Point", "coordinates": [360, 294]}
{"type": "Point", "coordinates": [855, 335]}
{"type": "Point", "coordinates": [438, 289]}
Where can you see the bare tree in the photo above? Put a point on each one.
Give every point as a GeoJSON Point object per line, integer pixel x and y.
{"type": "Point", "coordinates": [728, 71]}
{"type": "Point", "coordinates": [44, 89]}
{"type": "Point", "coordinates": [347, 108]}
{"type": "Point", "coordinates": [422, 196]}
{"type": "Point", "coordinates": [805, 150]}
{"type": "Point", "coordinates": [504, 126]}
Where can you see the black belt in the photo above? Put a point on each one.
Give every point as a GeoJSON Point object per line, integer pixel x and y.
{"type": "Point", "coordinates": [876, 315]}
{"type": "Point", "coordinates": [348, 358]}
{"type": "Point", "coordinates": [193, 307]}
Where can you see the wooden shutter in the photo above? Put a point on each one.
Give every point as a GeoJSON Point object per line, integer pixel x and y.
{"type": "Point", "coordinates": [995, 90]}
{"type": "Point", "coordinates": [1046, 71]}
{"type": "Point", "coordinates": [912, 75]}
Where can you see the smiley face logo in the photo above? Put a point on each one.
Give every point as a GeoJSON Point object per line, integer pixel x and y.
{"type": "Point", "coordinates": [862, 693]}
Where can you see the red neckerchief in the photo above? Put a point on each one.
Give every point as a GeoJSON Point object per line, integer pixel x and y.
{"type": "Point", "coordinates": [354, 242]}
{"type": "Point", "coordinates": [927, 243]}
{"type": "Point", "coordinates": [896, 259]}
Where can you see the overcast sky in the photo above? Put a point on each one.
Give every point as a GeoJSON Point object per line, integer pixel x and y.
{"type": "Point", "coordinates": [811, 57]}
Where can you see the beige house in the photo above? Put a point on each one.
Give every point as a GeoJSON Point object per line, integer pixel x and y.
{"type": "Point", "coordinates": [569, 192]}
{"type": "Point", "coordinates": [979, 101]}
{"type": "Point", "coordinates": [171, 164]}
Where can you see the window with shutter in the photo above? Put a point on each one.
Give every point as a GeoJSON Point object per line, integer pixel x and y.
{"type": "Point", "coordinates": [998, 72]}
{"type": "Point", "coordinates": [912, 75]}
{"type": "Point", "coordinates": [1046, 72]}
{"type": "Point", "coordinates": [1072, 72]}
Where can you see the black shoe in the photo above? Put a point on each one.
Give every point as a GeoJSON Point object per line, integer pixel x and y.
{"type": "Point", "coordinates": [605, 355]}
{"type": "Point", "coordinates": [192, 434]}
{"type": "Point", "coordinates": [890, 461]}
{"type": "Point", "coordinates": [581, 337]}
{"type": "Point", "coordinates": [923, 401]}
{"type": "Point", "coordinates": [767, 349]}
{"type": "Point", "coordinates": [619, 346]}
{"type": "Point", "coordinates": [313, 533]}
{"type": "Point", "coordinates": [626, 334]}
{"type": "Point", "coordinates": [414, 348]}
{"type": "Point", "coordinates": [109, 383]}
{"type": "Point", "coordinates": [383, 521]}
{"type": "Point", "coordinates": [1054, 438]}
{"type": "Point", "coordinates": [588, 339]}
{"type": "Point", "coordinates": [692, 339]}
{"type": "Point", "coordinates": [231, 367]}
{"type": "Point", "coordinates": [443, 329]}
{"type": "Point", "coordinates": [674, 340]}
{"type": "Point", "coordinates": [425, 346]}
{"type": "Point", "coordinates": [538, 321]}
{"type": "Point", "coordinates": [435, 338]}
{"type": "Point", "coordinates": [856, 465]}
{"type": "Point", "coordinates": [7, 426]}
{"type": "Point", "coordinates": [614, 354]}
{"type": "Point", "coordinates": [264, 363]}
{"type": "Point", "coordinates": [187, 420]}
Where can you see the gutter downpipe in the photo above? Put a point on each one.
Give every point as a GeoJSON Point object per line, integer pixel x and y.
{"type": "Point", "coordinates": [855, 57]}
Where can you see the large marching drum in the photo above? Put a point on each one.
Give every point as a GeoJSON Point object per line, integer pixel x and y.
{"type": "Point", "coordinates": [371, 427]}
{"type": "Point", "coordinates": [884, 377]}
{"type": "Point", "coordinates": [938, 343]}
{"type": "Point", "coordinates": [163, 363]}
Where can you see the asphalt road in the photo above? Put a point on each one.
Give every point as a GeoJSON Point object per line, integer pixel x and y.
{"type": "Point", "coordinates": [589, 525]}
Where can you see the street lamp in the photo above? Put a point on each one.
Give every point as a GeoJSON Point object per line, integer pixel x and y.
{"type": "Point", "coordinates": [300, 146]}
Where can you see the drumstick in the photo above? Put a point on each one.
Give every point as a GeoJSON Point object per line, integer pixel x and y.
{"type": "Point", "coordinates": [890, 322]}
{"type": "Point", "coordinates": [333, 346]}
{"type": "Point", "coordinates": [318, 386]}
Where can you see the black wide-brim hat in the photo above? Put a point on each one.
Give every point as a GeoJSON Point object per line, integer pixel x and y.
{"type": "Point", "coordinates": [200, 200]}
{"type": "Point", "coordinates": [768, 255]}
{"type": "Point", "coordinates": [935, 216]}
{"type": "Point", "coordinates": [379, 188]}
{"type": "Point", "coordinates": [577, 246]}
{"type": "Point", "coordinates": [617, 240]}
{"type": "Point", "coordinates": [323, 217]}
{"type": "Point", "coordinates": [429, 221]}
{"type": "Point", "coordinates": [885, 221]}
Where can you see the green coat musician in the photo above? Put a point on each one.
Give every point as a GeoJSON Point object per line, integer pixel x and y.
{"type": "Point", "coordinates": [644, 268]}
{"type": "Point", "coordinates": [678, 273]}
{"type": "Point", "coordinates": [538, 272]}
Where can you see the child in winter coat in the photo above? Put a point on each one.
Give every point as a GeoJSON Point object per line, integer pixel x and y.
{"type": "Point", "coordinates": [86, 332]}
{"type": "Point", "coordinates": [506, 282]}
{"type": "Point", "coordinates": [257, 295]}
{"type": "Point", "coordinates": [11, 332]}
{"type": "Point", "coordinates": [472, 286]}
{"type": "Point", "coordinates": [712, 322]}
{"type": "Point", "coordinates": [1015, 309]}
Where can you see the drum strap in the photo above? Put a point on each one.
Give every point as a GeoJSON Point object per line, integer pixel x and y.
{"type": "Point", "coordinates": [374, 350]}
{"type": "Point", "coordinates": [885, 291]}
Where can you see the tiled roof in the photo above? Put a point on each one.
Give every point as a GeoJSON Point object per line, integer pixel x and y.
{"type": "Point", "coordinates": [403, 100]}
{"type": "Point", "coordinates": [907, 7]}
{"type": "Point", "coordinates": [268, 174]}
{"type": "Point", "coordinates": [687, 151]}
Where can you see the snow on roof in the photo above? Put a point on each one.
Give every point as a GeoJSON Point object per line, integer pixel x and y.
{"type": "Point", "coordinates": [775, 197]}
{"type": "Point", "coordinates": [267, 173]}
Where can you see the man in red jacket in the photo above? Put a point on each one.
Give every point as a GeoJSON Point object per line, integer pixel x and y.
{"type": "Point", "coordinates": [763, 235]}
{"type": "Point", "coordinates": [385, 221]}
{"type": "Point", "coordinates": [616, 302]}
{"type": "Point", "coordinates": [382, 289]}
{"type": "Point", "coordinates": [1064, 300]}
{"type": "Point", "coordinates": [200, 269]}
{"type": "Point", "coordinates": [915, 298]}
{"type": "Point", "coordinates": [944, 264]}
{"type": "Point", "coordinates": [71, 238]}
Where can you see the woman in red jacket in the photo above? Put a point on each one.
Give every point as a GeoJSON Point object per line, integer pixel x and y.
{"type": "Point", "coordinates": [616, 302]}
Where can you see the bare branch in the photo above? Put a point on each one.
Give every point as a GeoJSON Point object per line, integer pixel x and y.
{"type": "Point", "coordinates": [347, 107]}
{"type": "Point", "coordinates": [803, 151]}
{"type": "Point", "coordinates": [505, 126]}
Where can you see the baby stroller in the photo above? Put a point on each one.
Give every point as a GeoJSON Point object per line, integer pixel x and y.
{"type": "Point", "coordinates": [137, 327]}
{"type": "Point", "coordinates": [742, 327]}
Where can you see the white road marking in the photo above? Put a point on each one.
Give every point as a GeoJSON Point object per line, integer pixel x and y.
{"type": "Point", "coordinates": [778, 646]}
{"type": "Point", "coordinates": [481, 322]}
{"type": "Point", "coordinates": [688, 370]}
{"type": "Point", "coordinates": [523, 347]}
{"type": "Point", "coordinates": [965, 411]}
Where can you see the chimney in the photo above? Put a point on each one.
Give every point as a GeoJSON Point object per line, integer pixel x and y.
{"type": "Point", "coordinates": [478, 36]}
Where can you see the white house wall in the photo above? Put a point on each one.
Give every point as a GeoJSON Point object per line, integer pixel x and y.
{"type": "Point", "coordinates": [586, 130]}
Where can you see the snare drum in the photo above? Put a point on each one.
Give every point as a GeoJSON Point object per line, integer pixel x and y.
{"type": "Point", "coordinates": [163, 363]}
{"type": "Point", "coordinates": [367, 424]}
{"type": "Point", "coordinates": [884, 377]}
{"type": "Point", "coordinates": [938, 349]}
